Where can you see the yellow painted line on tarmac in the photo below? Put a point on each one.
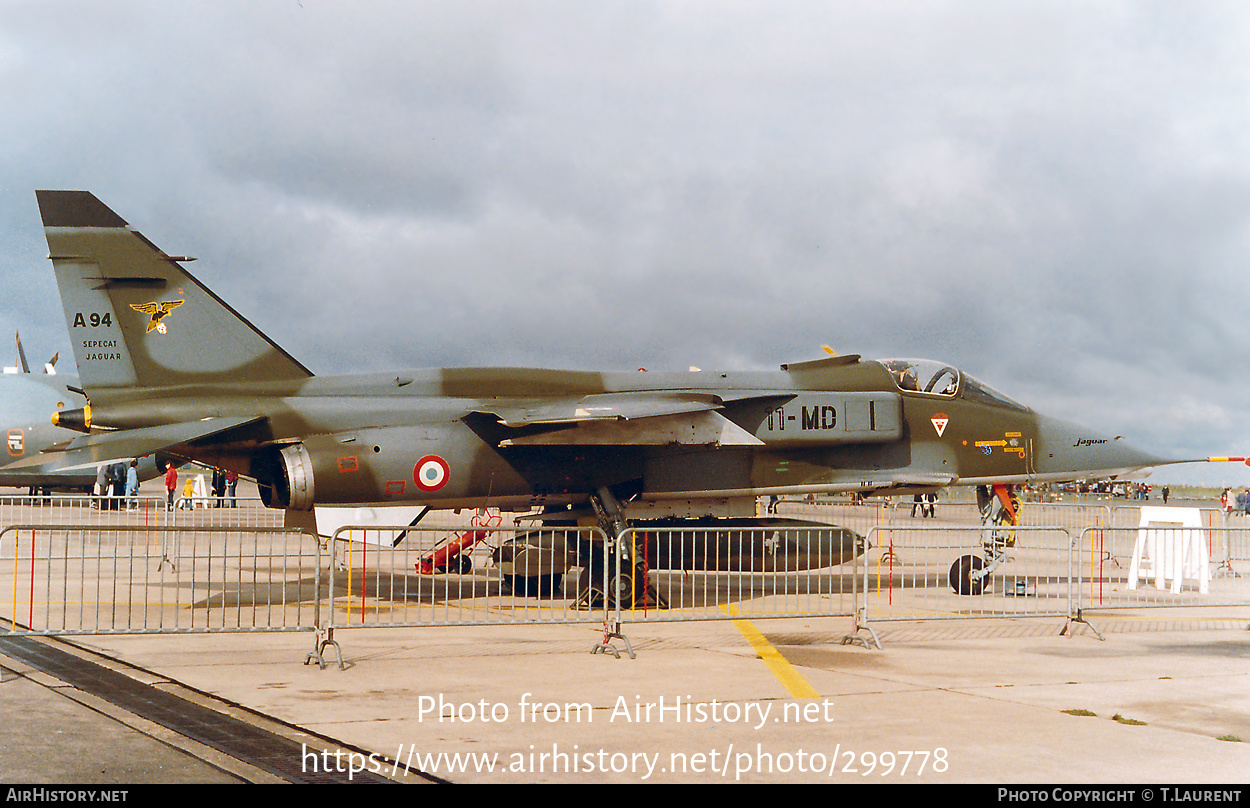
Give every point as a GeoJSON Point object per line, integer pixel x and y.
{"type": "Point", "coordinates": [790, 678]}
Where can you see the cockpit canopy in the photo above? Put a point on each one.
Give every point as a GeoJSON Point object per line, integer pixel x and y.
{"type": "Point", "coordinates": [940, 379]}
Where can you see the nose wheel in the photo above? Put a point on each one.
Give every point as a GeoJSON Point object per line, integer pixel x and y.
{"type": "Point", "coordinates": [968, 575]}
{"type": "Point", "coordinates": [1000, 512]}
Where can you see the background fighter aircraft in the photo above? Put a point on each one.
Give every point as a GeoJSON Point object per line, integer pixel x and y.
{"type": "Point", "coordinates": [168, 366]}
{"type": "Point", "coordinates": [25, 399]}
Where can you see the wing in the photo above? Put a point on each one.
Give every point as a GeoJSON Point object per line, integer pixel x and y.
{"type": "Point", "coordinates": [91, 450]}
{"type": "Point", "coordinates": [624, 419]}
{"type": "Point", "coordinates": [697, 428]}
{"type": "Point", "coordinates": [600, 407]}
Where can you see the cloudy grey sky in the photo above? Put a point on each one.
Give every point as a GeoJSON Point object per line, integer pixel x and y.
{"type": "Point", "coordinates": [1054, 196]}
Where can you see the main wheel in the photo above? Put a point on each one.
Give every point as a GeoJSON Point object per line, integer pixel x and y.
{"type": "Point", "coordinates": [961, 575]}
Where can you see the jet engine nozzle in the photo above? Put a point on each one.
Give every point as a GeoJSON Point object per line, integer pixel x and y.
{"type": "Point", "coordinates": [285, 477]}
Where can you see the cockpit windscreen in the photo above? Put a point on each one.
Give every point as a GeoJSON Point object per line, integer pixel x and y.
{"type": "Point", "coordinates": [941, 379]}
{"type": "Point", "coordinates": [980, 391]}
{"type": "Point", "coordinates": [923, 376]}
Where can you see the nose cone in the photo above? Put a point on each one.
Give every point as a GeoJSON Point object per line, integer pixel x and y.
{"type": "Point", "coordinates": [1068, 451]}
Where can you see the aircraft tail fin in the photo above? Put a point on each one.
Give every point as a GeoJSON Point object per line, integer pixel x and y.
{"type": "Point", "coordinates": [136, 318]}
{"type": "Point", "coordinates": [22, 366]}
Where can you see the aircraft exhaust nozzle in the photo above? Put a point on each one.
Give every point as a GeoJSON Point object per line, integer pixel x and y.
{"type": "Point", "coordinates": [284, 477]}
{"type": "Point", "coordinates": [78, 420]}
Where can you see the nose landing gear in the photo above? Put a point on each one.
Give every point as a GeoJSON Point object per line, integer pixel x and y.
{"type": "Point", "coordinates": [1000, 511]}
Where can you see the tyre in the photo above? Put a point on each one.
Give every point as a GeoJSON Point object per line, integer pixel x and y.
{"type": "Point", "coordinates": [961, 575]}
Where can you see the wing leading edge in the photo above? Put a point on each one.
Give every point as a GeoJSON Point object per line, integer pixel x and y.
{"type": "Point", "coordinates": [103, 447]}
{"type": "Point", "coordinates": [626, 419]}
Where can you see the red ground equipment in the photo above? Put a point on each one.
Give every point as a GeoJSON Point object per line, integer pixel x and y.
{"type": "Point", "coordinates": [453, 556]}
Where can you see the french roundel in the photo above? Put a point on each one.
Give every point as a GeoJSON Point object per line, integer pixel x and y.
{"type": "Point", "coordinates": [431, 473]}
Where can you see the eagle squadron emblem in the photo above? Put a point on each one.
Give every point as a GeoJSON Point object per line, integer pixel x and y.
{"type": "Point", "coordinates": [158, 312]}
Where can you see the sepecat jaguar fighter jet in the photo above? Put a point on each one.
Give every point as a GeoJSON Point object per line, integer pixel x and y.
{"type": "Point", "coordinates": [167, 365]}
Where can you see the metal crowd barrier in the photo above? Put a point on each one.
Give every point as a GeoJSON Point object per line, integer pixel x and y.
{"type": "Point", "coordinates": [464, 575]}
{"type": "Point", "coordinates": [1164, 566]}
{"type": "Point", "coordinates": [1129, 515]}
{"type": "Point", "coordinates": [898, 511]}
{"type": "Point", "coordinates": [117, 579]}
{"type": "Point", "coordinates": [915, 573]}
{"type": "Point", "coordinates": [139, 511]}
{"type": "Point", "coordinates": [82, 508]}
{"type": "Point", "coordinates": [708, 573]}
{"type": "Point", "coordinates": [498, 574]}
{"type": "Point", "coordinates": [1072, 516]}
{"type": "Point", "coordinates": [207, 569]}
{"type": "Point", "coordinates": [238, 512]}
{"type": "Point", "coordinates": [860, 517]}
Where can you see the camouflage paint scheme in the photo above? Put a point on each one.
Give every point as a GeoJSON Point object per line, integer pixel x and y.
{"type": "Point", "coordinates": [167, 365]}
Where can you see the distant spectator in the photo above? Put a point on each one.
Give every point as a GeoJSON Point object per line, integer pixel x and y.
{"type": "Point", "coordinates": [930, 505]}
{"type": "Point", "coordinates": [188, 494]}
{"type": "Point", "coordinates": [171, 484]}
{"type": "Point", "coordinates": [117, 484]}
{"type": "Point", "coordinates": [132, 486]}
{"type": "Point", "coordinates": [101, 485]}
{"type": "Point", "coordinates": [219, 486]}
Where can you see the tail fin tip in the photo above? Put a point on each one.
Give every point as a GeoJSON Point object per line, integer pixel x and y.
{"type": "Point", "coordinates": [75, 209]}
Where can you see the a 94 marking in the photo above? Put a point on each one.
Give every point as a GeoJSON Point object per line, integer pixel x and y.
{"type": "Point", "coordinates": [94, 319]}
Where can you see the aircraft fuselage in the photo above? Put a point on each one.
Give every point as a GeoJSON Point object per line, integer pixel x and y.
{"type": "Point", "coordinates": [842, 425]}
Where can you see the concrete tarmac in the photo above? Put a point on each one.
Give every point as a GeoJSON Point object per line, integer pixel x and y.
{"type": "Point", "coordinates": [54, 733]}
{"type": "Point", "coordinates": [1164, 699]}
{"type": "Point", "coordinates": [987, 701]}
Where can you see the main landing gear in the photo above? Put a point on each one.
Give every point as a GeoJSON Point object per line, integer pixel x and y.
{"type": "Point", "coordinates": [1000, 512]}
{"type": "Point", "coordinates": [626, 574]}
{"type": "Point", "coordinates": [534, 563]}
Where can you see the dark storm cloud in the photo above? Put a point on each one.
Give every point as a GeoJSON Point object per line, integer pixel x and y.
{"type": "Point", "coordinates": [1053, 196]}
